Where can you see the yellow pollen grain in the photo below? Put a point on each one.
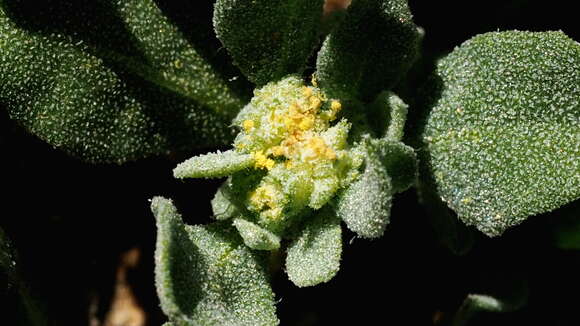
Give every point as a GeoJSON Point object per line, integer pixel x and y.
{"type": "Point", "coordinates": [317, 146]}
{"type": "Point", "coordinates": [262, 161]}
{"type": "Point", "coordinates": [335, 106]}
{"type": "Point", "coordinates": [307, 91]}
{"type": "Point", "coordinates": [248, 125]}
{"type": "Point", "coordinates": [263, 196]}
{"type": "Point", "coordinates": [314, 80]}
{"type": "Point", "coordinates": [277, 150]}
{"type": "Point", "coordinates": [315, 103]}
{"type": "Point", "coordinates": [306, 123]}
{"type": "Point", "coordinates": [330, 154]}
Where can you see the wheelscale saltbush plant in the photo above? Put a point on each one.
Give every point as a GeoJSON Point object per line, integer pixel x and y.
{"type": "Point", "coordinates": [311, 150]}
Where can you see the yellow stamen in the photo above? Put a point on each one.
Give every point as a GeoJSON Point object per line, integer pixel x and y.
{"type": "Point", "coordinates": [248, 125]}
{"type": "Point", "coordinates": [330, 154]}
{"type": "Point", "coordinates": [335, 106]}
{"type": "Point", "coordinates": [277, 150]}
{"type": "Point", "coordinates": [306, 123]}
{"type": "Point", "coordinates": [315, 103]}
{"type": "Point", "coordinates": [262, 161]}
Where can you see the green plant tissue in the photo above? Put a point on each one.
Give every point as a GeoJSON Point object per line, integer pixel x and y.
{"type": "Point", "coordinates": [503, 138]}
{"type": "Point", "coordinates": [206, 275]}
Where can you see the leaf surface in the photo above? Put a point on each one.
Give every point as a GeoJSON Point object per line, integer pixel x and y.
{"type": "Point", "coordinates": [205, 275]}
{"type": "Point", "coordinates": [268, 39]}
{"type": "Point", "coordinates": [504, 137]}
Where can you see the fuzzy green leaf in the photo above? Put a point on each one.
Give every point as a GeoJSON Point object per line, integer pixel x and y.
{"type": "Point", "coordinates": [369, 51]}
{"type": "Point", "coordinates": [268, 39]}
{"type": "Point", "coordinates": [449, 230]}
{"type": "Point", "coordinates": [314, 256]}
{"type": "Point", "coordinates": [365, 206]}
{"type": "Point", "coordinates": [106, 102]}
{"type": "Point", "coordinates": [255, 236]}
{"type": "Point", "coordinates": [388, 115]}
{"type": "Point", "coordinates": [213, 165]}
{"type": "Point", "coordinates": [503, 138]}
{"type": "Point", "coordinates": [399, 160]}
{"type": "Point", "coordinates": [222, 207]}
{"type": "Point", "coordinates": [205, 275]}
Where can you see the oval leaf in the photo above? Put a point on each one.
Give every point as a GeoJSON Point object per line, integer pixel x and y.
{"type": "Point", "coordinates": [268, 39]}
{"type": "Point", "coordinates": [503, 138]}
{"type": "Point", "coordinates": [205, 275]}
{"type": "Point", "coordinates": [365, 206]}
{"type": "Point", "coordinates": [314, 256]}
{"type": "Point", "coordinates": [213, 165]}
{"type": "Point", "coordinates": [369, 51]}
{"type": "Point", "coordinates": [255, 236]}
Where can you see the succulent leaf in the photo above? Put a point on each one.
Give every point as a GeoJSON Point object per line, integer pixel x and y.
{"type": "Point", "coordinates": [256, 237]}
{"type": "Point", "coordinates": [365, 206]}
{"type": "Point", "coordinates": [503, 137]}
{"type": "Point", "coordinates": [388, 115]}
{"type": "Point", "coordinates": [103, 104]}
{"type": "Point", "coordinates": [268, 39]}
{"type": "Point", "coordinates": [369, 51]}
{"type": "Point", "coordinates": [205, 275]}
{"type": "Point", "coordinates": [213, 165]}
{"type": "Point", "coordinates": [314, 256]}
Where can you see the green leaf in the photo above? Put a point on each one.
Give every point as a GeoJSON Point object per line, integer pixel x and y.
{"type": "Point", "coordinates": [503, 138]}
{"type": "Point", "coordinates": [388, 115]}
{"type": "Point", "coordinates": [314, 256]}
{"type": "Point", "coordinates": [222, 207]}
{"type": "Point", "coordinates": [213, 165]}
{"type": "Point", "coordinates": [399, 160]}
{"type": "Point", "coordinates": [205, 275]}
{"type": "Point", "coordinates": [268, 39]}
{"type": "Point", "coordinates": [365, 206]}
{"type": "Point", "coordinates": [109, 102]}
{"type": "Point", "coordinates": [256, 237]}
{"type": "Point", "coordinates": [450, 231]}
{"type": "Point", "coordinates": [369, 51]}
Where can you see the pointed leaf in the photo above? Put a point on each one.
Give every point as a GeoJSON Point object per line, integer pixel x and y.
{"type": "Point", "coordinates": [205, 275]}
{"type": "Point", "coordinates": [255, 236]}
{"type": "Point", "coordinates": [369, 51]}
{"type": "Point", "coordinates": [503, 138]}
{"type": "Point", "coordinates": [213, 165]}
{"type": "Point", "coordinates": [268, 39]}
{"type": "Point", "coordinates": [105, 104]}
{"type": "Point", "coordinates": [314, 256]}
{"type": "Point", "coordinates": [365, 206]}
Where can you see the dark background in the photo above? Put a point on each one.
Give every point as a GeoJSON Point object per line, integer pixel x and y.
{"type": "Point", "coordinates": [71, 221]}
